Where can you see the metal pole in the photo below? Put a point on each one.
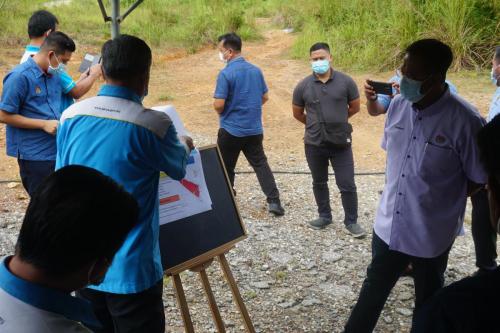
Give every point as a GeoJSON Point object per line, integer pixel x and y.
{"type": "Point", "coordinates": [115, 18]}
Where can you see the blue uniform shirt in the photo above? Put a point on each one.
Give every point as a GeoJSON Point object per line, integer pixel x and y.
{"type": "Point", "coordinates": [27, 307]}
{"type": "Point", "coordinates": [385, 100]}
{"type": "Point", "coordinates": [67, 82]}
{"type": "Point", "coordinates": [495, 105]}
{"type": "Point", "coordinates": [242, 85]}
{"type": "Point", "coordinates": [31, 93]}
{"type": "Point", "coordinates": [114, 134]}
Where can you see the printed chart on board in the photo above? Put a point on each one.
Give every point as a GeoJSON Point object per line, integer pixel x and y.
{"type": "Point", "coordinates": [189, 196]}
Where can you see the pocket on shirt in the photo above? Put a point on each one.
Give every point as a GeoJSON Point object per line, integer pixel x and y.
{"type": "Point", "coordinates": [438, 161]}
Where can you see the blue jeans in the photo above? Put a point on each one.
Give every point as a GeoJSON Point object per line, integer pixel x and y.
{"type": "Point", "coordinates": [381, 276]}
{"type": "Point", "coordinates": [34, 172]}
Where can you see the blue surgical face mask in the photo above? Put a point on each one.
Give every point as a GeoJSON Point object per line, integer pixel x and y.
{"type": "Point", "coordinates": [410, 89]}
{"type": "Point", "coordinates": [56, 70]}
{"type": "Point", "coordinates": [320, 66]}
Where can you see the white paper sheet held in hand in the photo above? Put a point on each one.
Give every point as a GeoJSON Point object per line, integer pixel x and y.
{"type": "Point", "coordinates": [190, 196]}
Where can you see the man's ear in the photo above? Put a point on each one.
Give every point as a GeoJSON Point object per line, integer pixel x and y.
{"type": "Point", "coordinates": [47, 33]}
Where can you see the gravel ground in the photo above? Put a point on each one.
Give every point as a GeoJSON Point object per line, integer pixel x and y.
{"type": "Point", "coordinates": [293, 278]}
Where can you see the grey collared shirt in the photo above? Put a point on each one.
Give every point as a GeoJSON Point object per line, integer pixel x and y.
{"type": "Point", "coordinates": [334, 96]}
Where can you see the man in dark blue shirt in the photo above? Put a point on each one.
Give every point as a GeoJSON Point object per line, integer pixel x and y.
{"type": "Point", "coordinates": [31, 108]}
{"type": "Point", "coordinates": [240, 93]}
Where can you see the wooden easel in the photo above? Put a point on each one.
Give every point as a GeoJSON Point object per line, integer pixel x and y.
{"type": "Point", "coordinates": [201, 269]}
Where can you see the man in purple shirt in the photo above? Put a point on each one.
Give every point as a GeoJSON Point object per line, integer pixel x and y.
{"type": "Point", "coordinates": [432, 164]}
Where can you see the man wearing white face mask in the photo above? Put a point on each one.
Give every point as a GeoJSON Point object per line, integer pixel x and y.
{"type": "Point", "coordinates": [323, 102]}
{"type": "Point", "coordinates": [40, 25]}
{"type": "Point", "coordinates": [239, 95]}
{"type": "Point", "coordinates": [31, 108]}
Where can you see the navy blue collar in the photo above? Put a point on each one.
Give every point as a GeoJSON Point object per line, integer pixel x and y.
{"type": "Point", "coordinates": [45, 298]}
{"type": "Point", "coordinates": [120, 92]}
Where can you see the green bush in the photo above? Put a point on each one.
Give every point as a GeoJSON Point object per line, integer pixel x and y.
{"type": "Point", "coordinates": [374, 33]}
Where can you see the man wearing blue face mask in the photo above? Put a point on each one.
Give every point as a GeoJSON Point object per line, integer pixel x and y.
{"type": "Point", "coordinates": [323, 102]}
{"type": "Point", "coordinates": [433, 163]}
{"type": "Point", "coordinates": [31, 108]}
{"type": "Point", "coordinates": [495, 79]}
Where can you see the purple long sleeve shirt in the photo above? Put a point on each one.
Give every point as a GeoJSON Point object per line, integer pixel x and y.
{"type": "Point", "coordinates": [431, 153]}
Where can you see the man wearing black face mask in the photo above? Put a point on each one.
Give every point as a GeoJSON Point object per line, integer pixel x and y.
{"type": "Point", "coordinates": [432, 164]}
{"type": "Point", "coordinates": [74, 224]}
{"type": "Point", "coordinates": [31, 108]}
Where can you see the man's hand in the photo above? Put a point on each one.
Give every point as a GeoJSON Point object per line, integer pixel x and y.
{"type": "Point", "coordinates": [188, 141]}
{"type": "Point", "coordinates": [50, 126]}
{"type": "Point", "coordinates": [370, 93]}
{"type": "Point", "coordinates": [95, 70]}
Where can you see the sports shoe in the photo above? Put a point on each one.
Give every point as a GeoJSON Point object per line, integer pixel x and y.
{"type": "Point", "coordinates": [319, 223]}
{"type": "Point", "coordinates": [276, 209]}
{"type": "Point", "coordinates": [355, 230]}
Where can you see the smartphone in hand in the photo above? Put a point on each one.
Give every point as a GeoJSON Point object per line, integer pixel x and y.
{"type": "Point", "coordinates": [381, 88]}
{"type": "Point", "coordinates": [88, 61]}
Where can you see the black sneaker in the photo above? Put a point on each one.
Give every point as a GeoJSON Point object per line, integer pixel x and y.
{"type": "Point", "coordinates": [319, 223]}
{"type": "Point", "coordinates": [276, 209]}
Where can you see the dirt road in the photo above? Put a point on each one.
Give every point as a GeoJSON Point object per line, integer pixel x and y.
{"type": "Point", "coordinates": [187, 81]}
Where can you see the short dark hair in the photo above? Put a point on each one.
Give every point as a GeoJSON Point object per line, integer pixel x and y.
{"type": "Point", "coordinates": [319, 46]}
{"type": "Point", "coordinates": [231, 41]}
{"type": "Point", "coordinates": [76, 216]}
{"type": "Point", "coordinates": [58, 42]}
{"type": "Point", "coordinates": [435, 55]}
{"type": "Point", "coordinates": [497, 53]}
{"type": "Point", "coordinates": [125, 58]}
{"type": "Point", "coordinates": [40, 22]}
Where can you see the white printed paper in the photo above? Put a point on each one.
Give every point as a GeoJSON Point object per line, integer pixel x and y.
{"type": "Point", "coordinates": [174, 116]}
{"type": "Point", "coordinates": [188, 197]}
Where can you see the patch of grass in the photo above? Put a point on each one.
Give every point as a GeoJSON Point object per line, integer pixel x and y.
{"type": "Point", "coordinates": [372, 34]}
{"type": "Point", "coordinates": [165, 98]}
{"type": "Point", "coordinates": [180, 23]}
{"type": "Point", "coordinates": [280, 275]}
{"type": "Point", "coordinates": [249, 294]}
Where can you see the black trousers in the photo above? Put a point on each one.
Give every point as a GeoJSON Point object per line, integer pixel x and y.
{"type": "Point", "coordinates": [381, 276]}
{"type": "Point", "coordinates": [34, 172]}
{"type": "Point", "coordinates": [468, 306]}
{"type": "Point", "coordinates": [342, 162]}
{"type": "Point", "coordinates": [483, 233]}
{"type": "Point", "coordinates": [230, 147]}
{"type": "Point", "coordinates": [128, 313]}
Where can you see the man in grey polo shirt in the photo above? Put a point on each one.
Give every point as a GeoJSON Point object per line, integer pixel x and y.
{"type": "Point", "coordinates": [328, 96]}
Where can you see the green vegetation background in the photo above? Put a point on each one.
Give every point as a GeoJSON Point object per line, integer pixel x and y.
{"type": "Point", "coordinates": [364, 34]}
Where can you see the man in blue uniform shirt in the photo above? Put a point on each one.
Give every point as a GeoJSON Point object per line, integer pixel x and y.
{"type": "Point", "coordinates": [239, 95]}
{"type": "Point", "coordinates": [116, 135]}
{"type": "Point", "coordinates": [40, 25]}
{"type": "Point", "coordinates": [31, 108]}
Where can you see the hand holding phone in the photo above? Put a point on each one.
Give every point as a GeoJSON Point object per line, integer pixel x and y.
{"type": "Point", "coordinates": [381, 88]}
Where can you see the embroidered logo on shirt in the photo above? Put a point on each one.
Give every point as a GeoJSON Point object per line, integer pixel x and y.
{"type": "Point", "coordinates": [440, 139]}
{"type": "Point", "coordinates": [38, 90]}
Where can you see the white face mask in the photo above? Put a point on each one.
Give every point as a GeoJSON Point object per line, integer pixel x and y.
{"type": "Point", "coordinates": [221, 57]}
